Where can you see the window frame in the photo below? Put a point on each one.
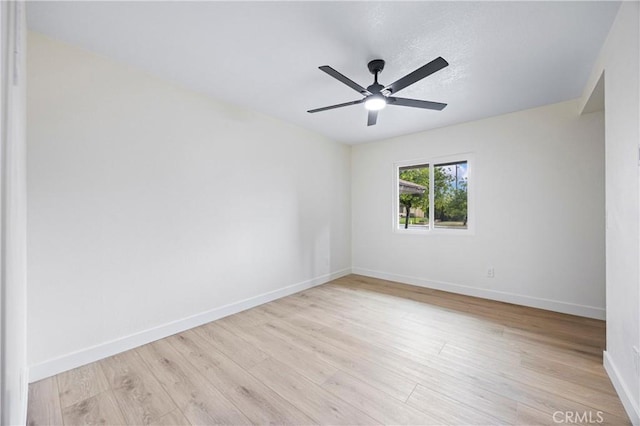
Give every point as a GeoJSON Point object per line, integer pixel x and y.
{"type": "Point", "coordinates": [432, 162]}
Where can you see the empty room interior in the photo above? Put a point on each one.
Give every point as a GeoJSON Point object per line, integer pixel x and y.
{"type": "Point", "coordinates": [335, 213]}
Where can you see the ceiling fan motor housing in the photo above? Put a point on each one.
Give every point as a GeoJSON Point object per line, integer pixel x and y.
{"type": "Point", "coordinates": [375, 88]}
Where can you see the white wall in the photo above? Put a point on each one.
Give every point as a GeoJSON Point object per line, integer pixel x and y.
{"type": "Point", "coordinates": [13, 195]}
{"type": "Point", "coordinates": [619, 60]}
{"type": "Point", "coordinates": [539, 211]}
{"type": "Point", "coordinates": [149, 204]}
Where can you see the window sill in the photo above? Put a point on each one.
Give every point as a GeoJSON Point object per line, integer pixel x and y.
{"type": "Point", "coordinates": [437, 231]}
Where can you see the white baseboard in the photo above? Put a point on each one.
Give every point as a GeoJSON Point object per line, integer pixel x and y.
{"type": "Point", "coordinates": [518, 299]}
{"type": "Point", "coordinates": [632, 409]}
{"type": "Point", "coordinates": [86, 356]}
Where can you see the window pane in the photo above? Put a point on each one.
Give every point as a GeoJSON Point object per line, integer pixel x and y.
{"type": "Point", "coordinates": [413, 203]}
{"type": "Point", "coordinates": [450, 195]}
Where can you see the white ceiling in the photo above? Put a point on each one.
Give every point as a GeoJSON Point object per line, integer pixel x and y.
{"type": "Point", "coordinates": [503, 56]}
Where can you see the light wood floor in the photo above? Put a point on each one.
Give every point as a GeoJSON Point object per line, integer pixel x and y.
{"type": "Point", "coordinates": [354, 351]}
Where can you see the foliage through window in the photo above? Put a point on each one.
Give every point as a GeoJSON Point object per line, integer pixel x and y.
{"type": "Point", "coordinates": [443, 206]}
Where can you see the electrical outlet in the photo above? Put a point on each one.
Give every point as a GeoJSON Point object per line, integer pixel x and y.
{"type": "Point", "coordinates": [636, 360]}
{"type": "Point", "coordinates": [491, 272]}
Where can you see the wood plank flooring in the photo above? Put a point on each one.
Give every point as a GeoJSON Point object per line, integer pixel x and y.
{"type": "Point", "coordinates": [354, 351]}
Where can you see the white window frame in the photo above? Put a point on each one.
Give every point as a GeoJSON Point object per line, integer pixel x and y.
{"type": "Point", "coordinates": [469, 157]}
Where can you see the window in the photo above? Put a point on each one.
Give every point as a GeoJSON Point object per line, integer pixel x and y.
{"type": "Point", "coordinates": [413, 190]}
{"type": "Point", "coordinates": [432, 195]}
{"type": "Point", "coordinates": [450, 195]}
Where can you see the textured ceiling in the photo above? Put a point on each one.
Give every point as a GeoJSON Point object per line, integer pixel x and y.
{"type": "Point", "coordinates": [503, 56]}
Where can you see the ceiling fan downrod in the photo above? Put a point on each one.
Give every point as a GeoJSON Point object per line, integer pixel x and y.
{"type": "Point", "coordinates": [375, 67]}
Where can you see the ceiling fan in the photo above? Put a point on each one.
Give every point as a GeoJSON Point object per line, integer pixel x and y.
{"type": "Point", "coordinates": [378, 96]}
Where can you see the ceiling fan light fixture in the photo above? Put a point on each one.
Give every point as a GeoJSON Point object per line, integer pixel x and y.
{"type": "Point", "coordinates": [375, 102]}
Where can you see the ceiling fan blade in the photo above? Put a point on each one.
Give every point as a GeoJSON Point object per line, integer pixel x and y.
{"type": "Point", "coordinates": [336, 106]}
{"type": "Point", "coordinates": [372, 118]}
{"type": "Point", "coordinates": [335, 74]}
{"type": "Point", "coordinates": [416, 103]}
{"type": "Point", "coordinates": [425, 70]}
